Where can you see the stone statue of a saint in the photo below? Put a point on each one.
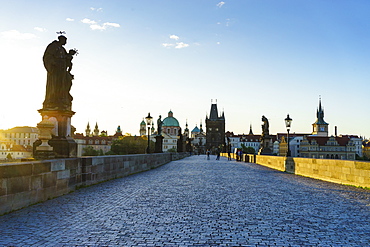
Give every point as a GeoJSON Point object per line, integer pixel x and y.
{"type": "Point", "coordinates": [58, 64]}
{"type": "Point", "coordinates": [265, 126]}
{"type": "Point", "coordinates": [159, 125]}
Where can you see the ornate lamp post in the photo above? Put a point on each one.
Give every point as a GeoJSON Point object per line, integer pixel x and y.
{"type": "Point", "coordinates": [288, 122]}
{"type": "Point", "coordinates": [148, 123]}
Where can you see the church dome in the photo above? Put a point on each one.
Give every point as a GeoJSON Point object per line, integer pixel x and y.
{"type": "Point", "coordinates": [196, 129]}
{"type": "Point", "coordinates": [170, 121]}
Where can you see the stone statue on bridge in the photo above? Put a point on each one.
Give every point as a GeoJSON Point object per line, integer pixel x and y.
{"type": "Point", "coordinates": [159, 125]}
{"type": "Point", "coordinates": [266, 139]}
{"type": "Point", "coordinates": [58, 64]}
{"type": "Point", "coordinates": [265, 126]}
{"type": "Point", "coordinates": [57, 106]}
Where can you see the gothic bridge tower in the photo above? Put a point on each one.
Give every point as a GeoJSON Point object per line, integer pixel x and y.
{"type": "Point", "coordinates": [215, 129]}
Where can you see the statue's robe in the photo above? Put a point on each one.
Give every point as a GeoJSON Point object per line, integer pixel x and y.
{"type": "Point", "coordinates": [56, 96]}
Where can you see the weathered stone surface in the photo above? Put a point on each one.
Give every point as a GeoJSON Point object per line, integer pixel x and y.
{"type": "Point", "coordinates": [18, 184]}
{"type": "Point", "coordinates": [3, 186]}
{"type": "Point", "coordinates": [36, 182]}
{"type": "Point", "coordinates": [41, 167]}
{"type": "Point", "coordinates": [58, 165]}
{"type": "Point", "coordinates": [49, 180]}
{"type": "Point", "coordinates": [15, 170]}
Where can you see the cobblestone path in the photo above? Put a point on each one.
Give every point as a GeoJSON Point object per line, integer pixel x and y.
{"type": "Point", "coordinates": [198, 202]}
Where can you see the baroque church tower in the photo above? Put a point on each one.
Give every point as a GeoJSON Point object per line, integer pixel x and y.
{"type": "Point", "coordinates": [96, 130]}
{"type": "Point", "coordinates": [88, 130]}
{"type": "Point", "coordinates": [142, 128]}
{"type": "Point", "coordinates": [320, 127]}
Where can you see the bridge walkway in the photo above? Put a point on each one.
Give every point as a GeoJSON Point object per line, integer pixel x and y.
{"type": "Point", "coordinates": [198, 202]}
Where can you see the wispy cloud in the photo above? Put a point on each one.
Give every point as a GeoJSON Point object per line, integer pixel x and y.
{"type": "Point", "coordinates": [88, 21]}
{"type": "Point", "coordinates": [96, 9]}
{"type": "Point", "coordinates": [96, 26]}
{"type": "Point", "coordinates": [110, 24]}
{"type": "Point", "coordinates": [181, 45]}
{"type": "Point", "coordinates": [16, 35]}
{"type": "Point", "coordinates": [177, 45]}
{"type": "Point", "coordinates": [70, 19]}
{"type": "Point", "coordinates": [167, 45]}
{"type": "Point", "coordinates": [40, 29]}
{"type": "Point", "coordinates": [175, 37]}
{"type": "Point", "coordinates": [220, 4]}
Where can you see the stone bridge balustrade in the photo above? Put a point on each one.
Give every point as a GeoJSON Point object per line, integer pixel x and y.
{"type": "Point", "coordinates": [348, 172]}
{"type": "Point", "coordinates": [27, 183]}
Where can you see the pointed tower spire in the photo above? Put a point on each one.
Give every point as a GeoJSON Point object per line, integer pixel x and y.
{"type": "Point", "coordinates": [186, 131]}
{"type": "Point", "coordinates": [96, 130]}
{"type": "Point", "coordinates": [320, 127]}
{"type": "Point", "coordinates": [88, 130]}
{"type": "Point", "coordinates": [250, 130]}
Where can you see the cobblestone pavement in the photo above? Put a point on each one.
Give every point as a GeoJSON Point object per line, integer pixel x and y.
{"type": "Point", "coordinates": [198, 202]}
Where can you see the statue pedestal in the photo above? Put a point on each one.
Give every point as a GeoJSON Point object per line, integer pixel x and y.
{"type": "Point", "coordinates": [158, 144]}
{"type": "Point", "coordinates": [61, 142]}
{"type": "Point", "coordinates": [266, 146]}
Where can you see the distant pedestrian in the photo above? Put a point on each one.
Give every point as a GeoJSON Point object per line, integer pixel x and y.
{"type": "Point", "coordinates": [240, 155]}
{"type": "Point", "coordinates": [208, 153]}
{"type": "Point", "coordinates": [218, 154]}
{"type": "Point", "coordinates": [228, 155]}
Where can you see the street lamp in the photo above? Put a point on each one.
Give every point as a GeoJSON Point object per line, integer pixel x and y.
{"type": "Point", "coordinates": [148, 123]}
{"type": "Point", "coordinates": [288, 122]}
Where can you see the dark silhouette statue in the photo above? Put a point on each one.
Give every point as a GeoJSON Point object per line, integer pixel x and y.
{"type": "Point", "coordinates": [58, 64]}
{"type": "Point", "coordinates": [159, 125]}
{"type": "Point", "coordinates": [265, 126]}
{"type": "Point", "coordinates": [266, 140]}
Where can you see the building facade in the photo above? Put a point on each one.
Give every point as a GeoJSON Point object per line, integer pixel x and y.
{"type": "Point", "coordinates": [17, 143]}
{"type": "Point", "coordinates": [323, 147]}
{"type": "Point", "coordinates": [99, 141]}
{"type": "Point", "coordinates": [238, 141]}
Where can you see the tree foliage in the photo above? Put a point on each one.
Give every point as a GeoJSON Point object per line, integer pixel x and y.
{"type": "Point", "coordinates": [9, 157]}
{"type": "Point", "coordinates": [90, 151]}
{"type": "Point", "coordinates": [248, 150]}
{"type": "Point", "coordinates": [172, 150]}
{"type": "Point", "coordinates": [131, 145]}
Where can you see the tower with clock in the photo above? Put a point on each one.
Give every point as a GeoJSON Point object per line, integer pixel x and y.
{"type": "Point", "coordinates": [320, 127]}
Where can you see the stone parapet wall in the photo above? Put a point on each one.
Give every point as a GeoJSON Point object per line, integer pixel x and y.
{"type": "Point", "coordinates": [27, 183]}
{"type": "Point", "coordinates": [349, 172]}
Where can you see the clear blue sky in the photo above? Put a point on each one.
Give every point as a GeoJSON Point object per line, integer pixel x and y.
{"type": "Point", "coordinates": [255, 57]}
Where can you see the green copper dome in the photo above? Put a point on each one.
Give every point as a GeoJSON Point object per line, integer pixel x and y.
{"type": "Point", "coordinates": [170, 120]}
